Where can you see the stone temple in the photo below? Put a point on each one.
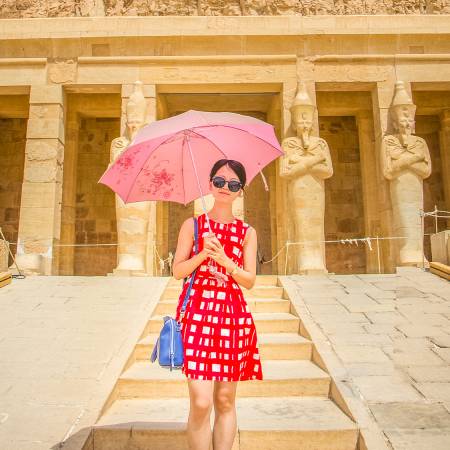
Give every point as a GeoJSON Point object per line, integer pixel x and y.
{"type": "Point", "coordinates": [354, 334]}
{"type": "Point", "coordinates": [358, 92]}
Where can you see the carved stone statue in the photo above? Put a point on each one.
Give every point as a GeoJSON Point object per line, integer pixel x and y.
{"type": "Point", "coordinates": [439, 6]}
{"type": "Point", "coordinates": [405, 161]}
{"type": "Point", "coordinates": [132, 218]}
{"type": "Point", "coordinates": [306, 163]}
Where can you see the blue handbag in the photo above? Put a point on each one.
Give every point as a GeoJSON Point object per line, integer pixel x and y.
{"type": "Point", "coordinates": [169, 346]}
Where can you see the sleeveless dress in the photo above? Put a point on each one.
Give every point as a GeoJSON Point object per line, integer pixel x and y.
{"type": "Point", "coordinates": [218, 332]}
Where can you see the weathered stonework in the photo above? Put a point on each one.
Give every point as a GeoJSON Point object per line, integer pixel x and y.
{"type": "Point", "coordinates": [65, 8]}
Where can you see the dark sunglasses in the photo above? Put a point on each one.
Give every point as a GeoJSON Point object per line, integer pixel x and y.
{"type": "Point", "coordinates": [233, 185]}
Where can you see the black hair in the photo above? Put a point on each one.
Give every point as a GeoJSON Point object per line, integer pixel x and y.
{"type": "Point", "coordinates": [236, 166]}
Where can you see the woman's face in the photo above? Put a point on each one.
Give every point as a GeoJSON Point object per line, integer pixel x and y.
{"type": "Point", "coordinates": [223, 194]}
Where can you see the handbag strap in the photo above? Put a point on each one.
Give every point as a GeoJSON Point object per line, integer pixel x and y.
{"type": "Point", "coordinates": [188, 290]}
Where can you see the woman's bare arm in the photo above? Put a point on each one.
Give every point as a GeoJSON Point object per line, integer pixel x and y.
{"type": "Point", "coordinates": [247, 275]}
{"type": "Point", "coordinates": [183, 266]}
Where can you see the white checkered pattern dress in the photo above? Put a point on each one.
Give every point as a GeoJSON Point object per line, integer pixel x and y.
{"type": "Point", "coordinates": [219, 335]}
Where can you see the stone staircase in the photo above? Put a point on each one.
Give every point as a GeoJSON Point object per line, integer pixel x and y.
{"type": "Point", "coordinates": [291, 408]}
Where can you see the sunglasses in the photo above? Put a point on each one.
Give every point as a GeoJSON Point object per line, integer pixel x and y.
{"type": "Point", "coordinates": [233, 185]}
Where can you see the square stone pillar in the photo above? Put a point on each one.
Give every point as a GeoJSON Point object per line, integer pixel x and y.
{"type": "Point", "coordinates": [150, 96]}
{"type": "Point", "coordinates": [40, 209]}
{"type": "Point", "coordinates": [370, 186]}
{"type": "Point", "coordinates": [382, 95]}
{"type": "Point", "coordinates": [68, 212]}
{"type": "Point", "coordinates": [285, 226]}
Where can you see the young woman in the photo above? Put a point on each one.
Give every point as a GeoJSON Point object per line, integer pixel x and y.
{"type": "Point", "coordinates": [219, 335]}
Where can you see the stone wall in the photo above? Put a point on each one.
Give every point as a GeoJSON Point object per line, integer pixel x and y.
{"type": "Point", "coordinates": [240, 64]}
{"type": "Point", "coordinates": [53, 8]}
{"type": "Point", "coordinates": [344, 211]}
{"type": "Point", "coordinates": [257, 213]}
{"type": "Point", "coordinates": [12, 152]}
{"type": "Point", "coordinates": [427, 127]}
{"type": "Point", "coordinates": [177, 214]}
{"type": "Point", "coordinates": [95, 207]}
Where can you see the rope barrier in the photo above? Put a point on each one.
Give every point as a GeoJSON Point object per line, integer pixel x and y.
{"type": "Point", "coordinates": [162, 261]}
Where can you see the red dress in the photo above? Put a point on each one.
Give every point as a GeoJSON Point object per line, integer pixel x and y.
{"type": "Point", "coordinates": [218, 332]}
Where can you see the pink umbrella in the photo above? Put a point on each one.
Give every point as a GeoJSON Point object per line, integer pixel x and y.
{"type": "Point", "coordinates": [170, 159]}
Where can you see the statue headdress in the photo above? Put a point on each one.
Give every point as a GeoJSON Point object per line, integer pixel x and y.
{"type": "Point", "coordinates": [302, 101]}
{"type": "Point", "coordinates": [401, 106]}
{"type": "Point", "coordinates": [401, 98]}
{"type": "Point", "coordinates": [137, 106]}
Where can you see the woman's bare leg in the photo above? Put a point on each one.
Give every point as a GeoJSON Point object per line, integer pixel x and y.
{"type": "Point", "coordinates": [225, 421]}
{"type": "Point", "coordinates": [201, 402]}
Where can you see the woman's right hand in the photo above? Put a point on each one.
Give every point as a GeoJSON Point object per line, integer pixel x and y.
{"type": "Point", "coordinates": [208, 245]}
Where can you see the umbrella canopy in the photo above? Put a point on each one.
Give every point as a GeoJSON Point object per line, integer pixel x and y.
{"type": "Point", "coordinates": [170, 159]}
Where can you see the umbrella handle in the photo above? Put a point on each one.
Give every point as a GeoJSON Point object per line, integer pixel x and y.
{"type": "Point", "coordinates": [186, 138]}
{"type": "Point", "coordinates": [266, 187]}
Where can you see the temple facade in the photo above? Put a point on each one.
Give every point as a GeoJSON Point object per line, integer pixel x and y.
{"type": "Point", "coordinates": [358, 93]}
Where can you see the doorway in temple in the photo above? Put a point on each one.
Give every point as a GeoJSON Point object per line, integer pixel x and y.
{"type": "Point", "coordinates": [14, 107]}
{"type": "Point", "coordinates": [257, 207]}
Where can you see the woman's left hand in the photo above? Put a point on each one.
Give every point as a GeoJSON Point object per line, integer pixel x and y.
{"type": "Point", "coordinates": [218, 254]}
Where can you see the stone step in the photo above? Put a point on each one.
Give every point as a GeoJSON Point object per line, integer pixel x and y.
{"type": "Point", "coordinates": [173, 292]}
{"type": "Point", "coordinates": [276, 322]}
{"type": "Point", "coordinates": [271, 346]}
{"type": "Point", "coordinates": [440, 269]}
{"type": "Point", "coordinates": [281, 377]}
{"type": "Point", "coordinates": [168, 307]}
{"type": "Point", "coordinates": [263, 423]}
{"type": "Point", "coordinates": [261, 280]}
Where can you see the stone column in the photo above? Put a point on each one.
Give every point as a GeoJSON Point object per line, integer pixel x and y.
{"type": "Point", "coordinates": [68, 210]}
{"type": "Point", "coordinates": [40, 209]}
{"type": "Point", "coordinates": [285, 226]}
{"type": "Point", "coordinates": [370, 186]}
{"type": "Point", "coordinates": [444, 145]}
{"type": "Point", "coordinates": [152, 232]}
{"type": "Point", "coordinates": [381, 97]}
{"type": "Point", "coordinates": [152, 115]}
{"type": "Point", "coordinates": [273, 117]}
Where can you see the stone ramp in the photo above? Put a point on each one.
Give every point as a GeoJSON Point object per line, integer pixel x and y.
{"type": "Point", "coordinates": [385, 339]}
{"type": "Point", "coordinates": [290, 409]}
{"type": "Point", "coordinates": [63, 344]}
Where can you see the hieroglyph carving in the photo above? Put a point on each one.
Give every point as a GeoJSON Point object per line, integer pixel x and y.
{"type": "Point", "coordinates": [53, 8]}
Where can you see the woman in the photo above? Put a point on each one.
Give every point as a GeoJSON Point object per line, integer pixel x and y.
{"type": "Point", "coordinates": [219, 335]}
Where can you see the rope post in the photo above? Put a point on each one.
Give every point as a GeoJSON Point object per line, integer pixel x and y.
{"type": "Point", "coordinates": [422, 222]}
{"type": "Point", "coordinates": [286, 260]}
{"type": "Point", "coordinates": [435, 218]}
{"type": "Point", "coordinates": [378, 255]}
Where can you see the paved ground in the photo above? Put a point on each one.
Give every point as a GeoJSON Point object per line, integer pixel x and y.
{"type": "Point", "coordinates": [64, 341]}
{"type": "Point", "coordinates": [392, 335]}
